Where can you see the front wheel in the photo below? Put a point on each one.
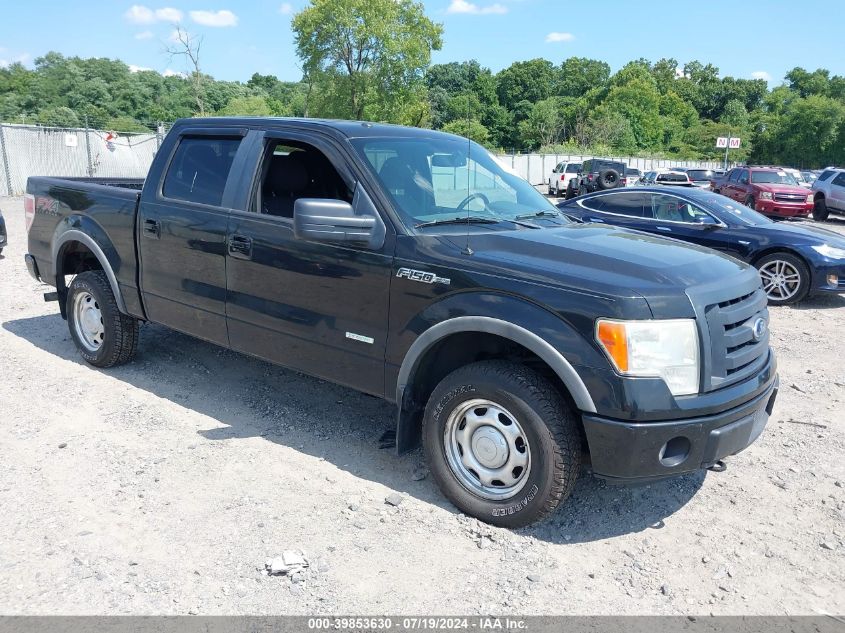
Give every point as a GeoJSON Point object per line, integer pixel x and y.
{"type": "Point", "coordinates": [786, 278]}
{"type": "Point", "coordinates": [501, 443]}
{"type": "Point", "coordinates": [820, 210]}
{"type": "Point", "coordinates": [103, 335]}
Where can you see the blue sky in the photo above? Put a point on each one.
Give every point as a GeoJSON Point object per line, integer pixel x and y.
{"type": "Point", "coordinates": [759, 38]}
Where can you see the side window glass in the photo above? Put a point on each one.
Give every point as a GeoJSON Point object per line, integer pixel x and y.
{"type": "Point", "coordinates": [628, 204]}
{"type": "Point", "coordinates": [733, 176]}
{"type": "Point", "coordinates": [593, 204]}
{"type": "Point", "coordinates": [839, 180]}
{"type": "Point", "coordinates": [825, 175]}
{"type": "Point", "coordinates": [671, 209]}
{"type": "Point", "coordinates": [293, 170]}
{"type": "Point", "coordinates": [200, 168]}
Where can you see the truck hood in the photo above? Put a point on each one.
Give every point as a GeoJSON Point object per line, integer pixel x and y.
{"type": "Point", "coordinates": [612, 261]}
{"type": "Point", "coordinates": [775, 188]}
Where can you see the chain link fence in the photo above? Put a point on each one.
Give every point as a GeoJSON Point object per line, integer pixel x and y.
{"type": "Point", "coordinates": [27, 150]}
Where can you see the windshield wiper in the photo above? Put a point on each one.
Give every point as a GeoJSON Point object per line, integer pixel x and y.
{"type": "Point", "coordinates": [538, 214]}
{"type": "Point", "coordinates": [466, 219]}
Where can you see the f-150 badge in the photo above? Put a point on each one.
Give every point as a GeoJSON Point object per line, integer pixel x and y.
{"type": "Point", "coordinates": [421, 276]}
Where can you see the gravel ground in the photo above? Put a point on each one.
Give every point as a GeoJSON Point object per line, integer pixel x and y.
{"type": "Point", "coordinates": [161, 487]}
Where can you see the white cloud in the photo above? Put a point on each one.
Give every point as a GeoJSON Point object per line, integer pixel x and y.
{"type": "Point", "coordinates": [138, 69]}
{"type": "Point", "coordinates": [23, 58]}
{"type": "Point", "coordinates": [144, 35]}
{"type": "Point", "coordinates": [174, 73]}
{"type": "Point", "coordinates": [139, 14]}
{"type": "Point", "coordinates": [168, 14]}
{"type": "Point", "coordinates": [286, 8]}
{"type": "Point", "coordinates": [224, 17]}
{"type": "Point", "coordinates": [560, 37]}
{"type": "Point", "coordinates": [761, 74]}
{"type": "Point", "coordinates": [464, 6]}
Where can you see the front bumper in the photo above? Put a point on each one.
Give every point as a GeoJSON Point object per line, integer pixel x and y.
{"type": "Point", "coordinates": [783, 209]}
{"type": "Point", "coordinates": [630, 451]}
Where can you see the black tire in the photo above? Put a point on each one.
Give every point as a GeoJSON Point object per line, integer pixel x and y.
{"type": "Point", "coordinates": [570, 192]}
{"type": "Point", "coordinates": [119, 339]}
{"type": "Point", "coordinates": [820, 210]}
{"type": "Point", "coordinates": [551, 440]}
{"type": "Point", "coordinates": [800, 268]}
{"type": "Point", "coordinates": [582, 190]}
{"type": "Point", "coordinates": [608, 179]}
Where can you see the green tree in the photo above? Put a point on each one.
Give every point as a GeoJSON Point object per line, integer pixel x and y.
{"type": "Point", "coordinates": [579, 75]}
{"type": "Point", "coordinates": [472, 129]}
{"type": "Point", "coordinates": [530, 81]}
{"type": "Point", "coordinates": [366, 58]}
{"type": "Point", "coordinates": [247, 106]}
{"type": "Point", "coordinates": [639, 102]}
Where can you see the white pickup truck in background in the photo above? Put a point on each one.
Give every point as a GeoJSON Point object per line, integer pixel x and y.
{"type": "Point", "coordinates": [560, 177]}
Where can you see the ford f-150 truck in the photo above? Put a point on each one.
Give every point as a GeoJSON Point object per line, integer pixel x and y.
{"type": "Point", "coordinates": [409, 264]}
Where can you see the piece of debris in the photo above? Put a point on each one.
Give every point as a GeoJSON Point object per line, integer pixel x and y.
{"type": "Point", "coordinates": [393, 499]}
{"type": "Point", "coordinates": [534, 578]}
{"type": "Point", "coordinates": [797, 388]}
{"type": "Point", "coordinates": [419, 473]}
{"type": "Point", "coordinates": [665, 590]}
{"type": "Point", "coordinates": [826, 545]}
{"type": "Point", "coordinates": [288, 564]}
{"type": "Point", "coordinates": [63, 445]}
{"type": "Point", "coordinates": [387, 439]}
{"type": "Point", "coordinates": [815, 424]}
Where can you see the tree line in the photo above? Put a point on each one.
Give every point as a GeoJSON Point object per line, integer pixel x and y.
{"type": "Point", "coordinates": [371, 60]}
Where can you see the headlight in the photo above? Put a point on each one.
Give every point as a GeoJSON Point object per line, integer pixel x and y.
{"type": "Point", "coordinates": [665, 349]}
{"type": "Point", "coordinates": [830, 251]}
{"type": "Point", "coordinates": [810, 199]}
{"type": "Point", "coordinates": [765, 195]}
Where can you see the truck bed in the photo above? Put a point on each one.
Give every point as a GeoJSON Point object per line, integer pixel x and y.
{"type": "Point", "coordinates": [104, 209]}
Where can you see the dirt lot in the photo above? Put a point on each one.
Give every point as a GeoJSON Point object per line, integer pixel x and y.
{"type": "Point", "coordinates": [164, 485]}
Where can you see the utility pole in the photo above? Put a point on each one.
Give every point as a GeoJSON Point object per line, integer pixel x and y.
{"type": "Point", "coordinates": [727, 147]}
{"type": "Point", "coordinates": [88, 148]}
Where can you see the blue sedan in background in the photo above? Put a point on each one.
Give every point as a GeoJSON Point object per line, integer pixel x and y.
{"type": "Point", "coordinates": [794, 259]}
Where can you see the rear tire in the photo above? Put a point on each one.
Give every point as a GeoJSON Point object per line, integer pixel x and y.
{"type": "Point", "coordinates": [501, 443]}
{"type": "Point", "coordinates": [570, 192]}
{"type": "Point", "coordinates": [104, 336]}
{"type": "Point", "coordinates": [609, 179]}
{"type": "Point", "coordinates": [820, 210]}
{"type": "Point", "coordinates": [786, 278]}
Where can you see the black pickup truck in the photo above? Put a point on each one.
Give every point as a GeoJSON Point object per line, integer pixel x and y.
{"type": "Point", "coordinates": [411, 265]}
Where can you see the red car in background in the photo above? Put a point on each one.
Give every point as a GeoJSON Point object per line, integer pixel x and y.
{"type": "Point", "coordinates": [768, 190]}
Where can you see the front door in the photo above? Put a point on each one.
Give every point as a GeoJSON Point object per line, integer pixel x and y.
{"type": "Point", "coordinates": [316, 307]}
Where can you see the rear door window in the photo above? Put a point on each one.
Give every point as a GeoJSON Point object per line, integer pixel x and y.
{"type": "Point", "coordinates": [628, 204]}
{"type": "Point", "coordinates": [826, 174]}
{"type": "Point", "coordinates": [573, 168]}
{"type": "Point", "coordinates": [200, 168]}
{"type": "Point", "coordinates": [839, 180]}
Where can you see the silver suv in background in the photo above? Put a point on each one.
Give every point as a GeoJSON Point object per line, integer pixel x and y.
{"type": "Point", "coordinates": [561, 175]}
{"type": "Point", "coordinates": [829, 193]}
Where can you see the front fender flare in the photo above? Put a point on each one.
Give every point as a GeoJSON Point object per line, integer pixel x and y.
{"type": "Point", "coordinates": [490, 325]}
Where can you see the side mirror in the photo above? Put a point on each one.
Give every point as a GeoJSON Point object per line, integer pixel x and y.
{"type": "Point", "coordinates": [335, 221]}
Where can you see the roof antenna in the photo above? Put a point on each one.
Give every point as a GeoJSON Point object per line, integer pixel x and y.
{"type": "Point", "coordinates": [467, 250]}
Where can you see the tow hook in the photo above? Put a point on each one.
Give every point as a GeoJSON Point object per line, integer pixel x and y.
{"type": "Point", "coordinates": [718, 467]}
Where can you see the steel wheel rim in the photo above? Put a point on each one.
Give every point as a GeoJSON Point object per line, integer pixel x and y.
{"type": "Point", "coordinates": [781, 280]}
{"type": "Point", "coordinates": [487, 449]}
{"type": "Point", "coordinates": [88, 321]}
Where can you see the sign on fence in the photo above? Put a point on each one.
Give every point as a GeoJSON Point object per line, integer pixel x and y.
{"type": "Point", "coordinates": [722, 142]}
{"type": "Point", "coordinates": [734, 143]}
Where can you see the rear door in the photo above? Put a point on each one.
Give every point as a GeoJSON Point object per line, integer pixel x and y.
{"type": "Point", "coordinates": [182, 226]}
{"type": "Point", "coordinates": [837, 192]}
{"type": "Point", "coordinates": [317, 307]}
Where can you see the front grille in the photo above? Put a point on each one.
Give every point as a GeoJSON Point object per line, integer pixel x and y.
{"type": "Point", "coordinates": [790, 197]}
{"type": "Point", "coordinates": [736, 351]}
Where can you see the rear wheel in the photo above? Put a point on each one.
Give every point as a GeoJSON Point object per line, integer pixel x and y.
{"type": "Point", "coordinates": [501, 443]}
{"type": "Point", "coordinates": [570, 192]}
{"type": "Point", "coordinates": [103, 335]}
{"type": "Point", "coordinates": [820, 210]}
{"type": "Point", "coordinates": [786, 278]}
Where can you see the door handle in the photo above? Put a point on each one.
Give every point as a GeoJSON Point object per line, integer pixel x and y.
{"type": "Point", "coordinates": [663, 228]}
{"type": "Point", "coordinates": [240, 246]}
{"type": "Point", "coordinates": [152, 228]}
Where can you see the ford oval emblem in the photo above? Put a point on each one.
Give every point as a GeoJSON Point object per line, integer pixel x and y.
{"type": "Point", "coordinates": [759, 329]}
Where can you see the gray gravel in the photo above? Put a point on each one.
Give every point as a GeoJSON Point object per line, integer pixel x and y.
{"type": "Point", "coordinates": [164, 486]}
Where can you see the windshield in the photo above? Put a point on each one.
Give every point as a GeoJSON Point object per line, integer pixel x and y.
{"type": "Point", "coordinates": [773, 177]}
{"type": "Point", "coordinates": [722, 206]}
{"type": "Point", "coordinates": [700, 175]}
{"type": "Point", "coordinates": [672, 177]}
{"type": "Point", "coordinates": [630, 171]}
{"type": "Point", "coordinates": [433, 180]}
{"type": "Point", "coordinates": [573, 168]}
